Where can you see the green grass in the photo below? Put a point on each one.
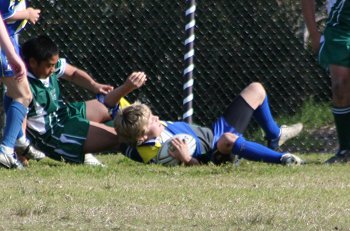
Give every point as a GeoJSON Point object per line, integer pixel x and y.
{"type": "Point", "coordinates": [51, 195]}
{"type": "Point", "coordinates": [318, 134]}
{"type": "Point", "coordinates": [311, 114]}
{"type": "Point", "coordinates": [131, 196]}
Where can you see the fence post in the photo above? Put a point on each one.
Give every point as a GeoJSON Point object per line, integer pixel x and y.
{"type": "Point", "coordinates": [188, 60]}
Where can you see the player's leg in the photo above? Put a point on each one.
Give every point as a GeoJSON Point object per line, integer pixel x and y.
{"type": "Point", "coordinates": [252, 101]}
{"type": "Point", "coordinates": [235, 119]}
{"type": "Point", "coordinates": [255, 95]}
{"type": "Point", "coordinates": [23, 146]}
{"type": "Point", "coordinates": [20, 93]}
{"type": "Point", "coordinates": [340, 77]}
{"type": "Point", "coordinates": [232, 143]}
{"type": "Point", "coordinates": [97, 136]}
{"type": "Point", "coordinates": [97, 112]}
{"type": "Point", "coordinates": [238, 114]}
{"type": "Point", "coordinates": [100, 138]}
{"type": "Point", "coordinates": [75, 140]}
{"type": "Point", "coordinates": [335, 56]}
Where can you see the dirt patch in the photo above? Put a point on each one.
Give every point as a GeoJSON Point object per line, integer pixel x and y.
{"type": "Point", "coordinates": [327, 137]}
{"type": "Point", "coordinates": [318, 140]}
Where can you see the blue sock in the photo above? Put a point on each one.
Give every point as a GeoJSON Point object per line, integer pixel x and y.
{"type": "Point", "coordinates": [256, 152]}
{"type": "Point", "coordinates": [15, 114]}
{"type": "Point", "coordinates": [264, 118]}
{"type": "Point", "coordinates": [7, 102]}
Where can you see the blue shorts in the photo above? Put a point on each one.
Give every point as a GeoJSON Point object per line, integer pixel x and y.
{"type": "Point", "coordinates": [220, 127]}
{"type": "Point", "coordinates": [6, 70]}
{"type": "Point", "coordinates": [234, 120]}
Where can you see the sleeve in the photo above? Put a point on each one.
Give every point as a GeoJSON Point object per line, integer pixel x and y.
{"type": "Point", "coordinates": [7, 8]}
{"type": "Point", "coordinates": [60, 67]}
{"type": "Point", "coordinates": [145, 153]}
{"type": "Point", "coordinates": [131, 153]}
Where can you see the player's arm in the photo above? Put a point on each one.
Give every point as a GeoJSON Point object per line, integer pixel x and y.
{"type": "Point", "coordinates": [134, 81]}
{"type": "Point", "coordinates": [180, 152]}
{"type": "Point", "coordinates": [309, 12]}
{"type": "Point", "coordinates": [13, 59]}
{"type": "Point", "coordinates": [30, 14]}
{"type": "Point", "coordinates": [84, 80]}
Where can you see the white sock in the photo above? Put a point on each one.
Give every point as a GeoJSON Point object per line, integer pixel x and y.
{"type": "Point", "coordinates": [23, 141]}
{"type": "Point", "coordinates": [6, 150]}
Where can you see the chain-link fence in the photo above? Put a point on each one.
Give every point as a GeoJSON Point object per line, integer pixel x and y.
{"type": "Point", "coordinates": [237, 42]}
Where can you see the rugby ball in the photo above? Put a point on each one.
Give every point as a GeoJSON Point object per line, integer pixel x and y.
{"type": "Point", "coordinates": [163, 156]}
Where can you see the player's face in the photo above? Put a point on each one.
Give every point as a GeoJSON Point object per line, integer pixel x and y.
{"type": "Point", "coordinates": [44, 69]}
{"type": "Point", "coordinates": [154, 127]}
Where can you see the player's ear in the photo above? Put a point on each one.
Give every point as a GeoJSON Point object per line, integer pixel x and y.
{"type": "Point", "coordinates": [32, 63]}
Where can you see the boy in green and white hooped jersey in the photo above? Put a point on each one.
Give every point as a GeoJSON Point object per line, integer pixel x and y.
{"type": "Point", "coordinates": [69, 130]}
{"type": "Point", "coordinates": [334, 56]}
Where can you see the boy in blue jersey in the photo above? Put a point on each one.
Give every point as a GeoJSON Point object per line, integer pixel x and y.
{"type": "Point", "coordinates": [18, 95]}
{"type": "Point", "coordinates": [143, 133]}
{"type": "Point", "coordinates": [19, 70]}
{"type": "Point", "coordinates": [13, 58]}
{"type": "Point", "coordinates": [70, 131]}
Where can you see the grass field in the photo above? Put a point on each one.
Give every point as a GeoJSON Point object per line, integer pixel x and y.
{"type": "Point", "coordinates": [51, 195]}
{"type": "Point", "coordinates": [130, 196]}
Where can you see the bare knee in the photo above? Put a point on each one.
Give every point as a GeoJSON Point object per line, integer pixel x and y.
{"type": "Point", "coordinates": [254, 94]}
{"type": "Point", "coordinates": [226, 142]}
{"type": "Point", "coordinates": [18, 90]}
{"type": "Point", "coordinates": [258, 89]}
{"type": "Point", "coordinates": [97, 112]}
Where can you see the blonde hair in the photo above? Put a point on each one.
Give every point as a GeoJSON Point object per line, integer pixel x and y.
{"type": "Point", "coordinates": [131, 122]}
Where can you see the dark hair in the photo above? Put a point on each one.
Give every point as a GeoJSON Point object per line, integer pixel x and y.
{"type": "Point", "coordinates": [40, 48]}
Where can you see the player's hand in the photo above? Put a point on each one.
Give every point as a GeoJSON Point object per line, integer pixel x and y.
{"type": "Point", "coordinates": [102, 88]}
{"type": "Point", "coordinates": [179, 150]}
{"type": "Point", "coordinates": [33, 15]}
{"type": "Point", "coordinates": [17, 66]}
{"type": "Point", "coordinates": [135, 81]}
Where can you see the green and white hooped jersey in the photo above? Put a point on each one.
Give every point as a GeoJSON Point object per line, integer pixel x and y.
{"type": "Point", "coordinates": [47, 109]}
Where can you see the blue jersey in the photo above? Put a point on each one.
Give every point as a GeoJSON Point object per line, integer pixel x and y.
{"type": "Point", "coordinates": [148, 151]}
{"type": "Point", "coordinates": [7, 9]}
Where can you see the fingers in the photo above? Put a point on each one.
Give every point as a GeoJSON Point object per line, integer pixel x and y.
{"type": "Point", "coordinates": [138, 78]}
{"type": "Point", "coordinates": [34, 15]}
{"type": "Point", "coordinates": [105, 89]}
{"type": "Point", "coordinates": [178, 149]}
{"type": "Point", "coordinates": [18, 67]}
{"type": "Point", "coordinates": [177, 143]}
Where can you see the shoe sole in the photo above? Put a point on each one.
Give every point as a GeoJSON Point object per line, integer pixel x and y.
{"type": "Point", "coordinates": [281, 142]}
